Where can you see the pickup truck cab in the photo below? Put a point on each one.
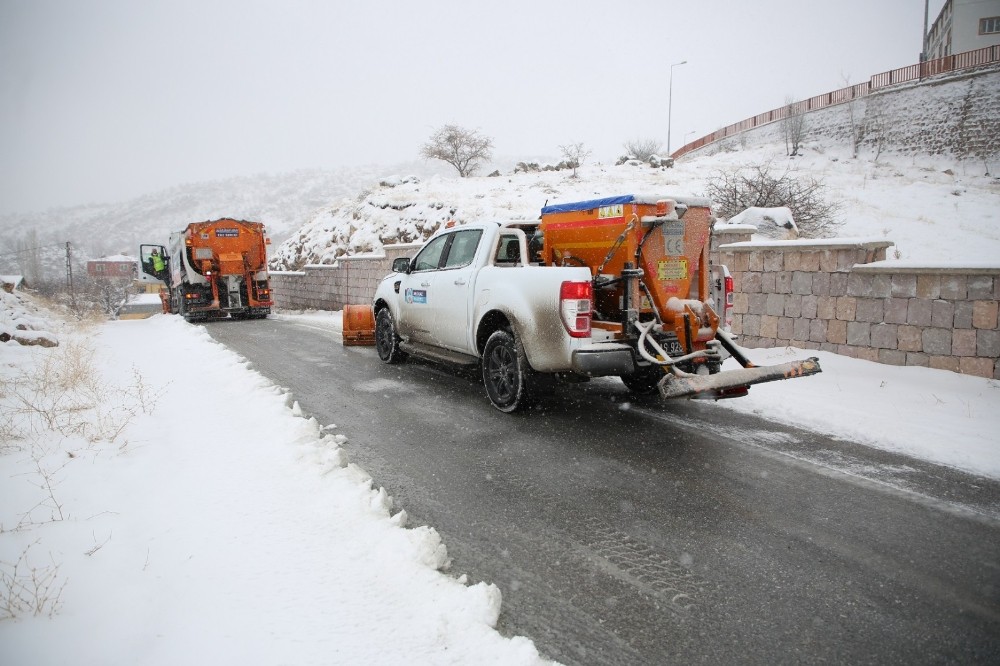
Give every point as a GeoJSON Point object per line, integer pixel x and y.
{"type": "Point", "coordinates": [472, 296]}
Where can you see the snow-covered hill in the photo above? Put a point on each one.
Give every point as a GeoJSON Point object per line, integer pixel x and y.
{"type": "Point", "coordinates": [934, 209]}
{"type": "Point", "coordinates": [283, 202]}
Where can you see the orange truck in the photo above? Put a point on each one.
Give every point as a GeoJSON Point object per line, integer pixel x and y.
{"type": "Point", "coordinates": [212, 269]}
{"type": "Point", "coordinates": [619, 286]}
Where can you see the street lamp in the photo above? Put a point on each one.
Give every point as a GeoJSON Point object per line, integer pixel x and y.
{"type": "Point", "coordinates": [670, 101]}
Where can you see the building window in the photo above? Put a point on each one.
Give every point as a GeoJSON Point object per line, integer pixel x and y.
{"type": "Point", "coordinates": [989, 26]}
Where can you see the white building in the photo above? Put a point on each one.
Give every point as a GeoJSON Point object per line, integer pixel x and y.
{"type": "Point", "coordinates": [964, 25]}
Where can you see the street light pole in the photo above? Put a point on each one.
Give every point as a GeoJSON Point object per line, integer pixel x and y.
{"type": "Point", "coordinates": [670, 101]}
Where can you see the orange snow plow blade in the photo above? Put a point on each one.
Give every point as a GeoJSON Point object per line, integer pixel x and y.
{"type": "Point", "coordinates": [733, 383]}
{"type": "Point", "coordinates": [359, 325]}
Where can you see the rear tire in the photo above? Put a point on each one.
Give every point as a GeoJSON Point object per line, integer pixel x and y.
{"type": "Point", "coordinates": [644, 381]}
{"type": "Point", "coordinates": [178, 299]}
{"type": "Point", "coordinates": [506, 373]}
{"type": "Point", "coordinates": [386, 339]}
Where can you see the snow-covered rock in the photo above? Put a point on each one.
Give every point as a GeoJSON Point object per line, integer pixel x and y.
{"type": "Point", "coordinates": [771, 222]}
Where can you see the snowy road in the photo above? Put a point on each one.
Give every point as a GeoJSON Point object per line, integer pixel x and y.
{"type": "Point", "coordinates": [620, 536]}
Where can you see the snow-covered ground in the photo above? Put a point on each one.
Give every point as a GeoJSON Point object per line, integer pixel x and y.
{"type": "Point", "coordinates": [138, 525]}
{"type": "Point", "coordinates": [187, 511]}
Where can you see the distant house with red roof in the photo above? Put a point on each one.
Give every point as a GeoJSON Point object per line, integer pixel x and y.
{"type": "Point", "coordinates": [118, 266]}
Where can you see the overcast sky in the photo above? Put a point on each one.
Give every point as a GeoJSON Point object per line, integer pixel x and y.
{"type": "Point", "coordinates": [104, 100]}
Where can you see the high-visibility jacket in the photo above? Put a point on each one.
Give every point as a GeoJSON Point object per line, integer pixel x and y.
{"type": "Point", "coordinates": [157, 263]}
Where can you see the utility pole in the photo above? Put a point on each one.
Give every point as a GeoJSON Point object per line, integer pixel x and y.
{"type": "Point", "coordinates": [670, 102]}
{"type": "Point", "coordinates": [69, 275]}
{"type": "Point", "coordinates": [923, 41]}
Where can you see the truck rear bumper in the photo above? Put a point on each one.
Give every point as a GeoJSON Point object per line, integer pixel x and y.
{"type": "Point", "coordinates": [601, 360]}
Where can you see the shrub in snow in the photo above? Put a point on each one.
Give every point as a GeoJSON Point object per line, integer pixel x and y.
{"type": "Point", "coordinates": [756, 186]}
{"type": "Point", "coordinates": [642, 149]}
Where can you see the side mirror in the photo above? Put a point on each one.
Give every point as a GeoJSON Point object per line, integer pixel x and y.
{"type": "Point", "coordinates": [401, 265]}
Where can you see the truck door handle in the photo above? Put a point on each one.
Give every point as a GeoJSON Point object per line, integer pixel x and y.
{"type": "Point", "coordinates": [460, 281]}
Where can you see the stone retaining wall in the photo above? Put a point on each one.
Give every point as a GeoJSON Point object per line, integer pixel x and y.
{"type": "Point", "coordinates": [954, 115]}
{"type": "Point", "coordinates": [827, 295]}
{"type": "Point", "coordinates": [350, 281]}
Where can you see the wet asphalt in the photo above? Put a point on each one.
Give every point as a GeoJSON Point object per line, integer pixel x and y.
{"type": "Point", "coordinates": [629, 532]}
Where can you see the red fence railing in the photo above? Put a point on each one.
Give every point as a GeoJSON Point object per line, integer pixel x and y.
{"type": "Point", "coordinates": [918, 72]}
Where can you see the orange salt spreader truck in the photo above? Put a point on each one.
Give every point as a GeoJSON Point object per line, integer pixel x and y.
{"type": "Point", "coordinates": [618, 286]}
{"type": "Point", "coordinates": [649, 258]}
{"type": "Point", "coordinates": [212, 269]}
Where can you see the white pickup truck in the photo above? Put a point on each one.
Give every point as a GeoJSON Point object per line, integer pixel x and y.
{"type": "Point", "coordinates": [470, 297]}
{"type": "Point", "coordinates": [608, 287]}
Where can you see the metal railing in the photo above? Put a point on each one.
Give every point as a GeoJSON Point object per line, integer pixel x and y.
{"type": "Point", "coordinates": [952, 63]}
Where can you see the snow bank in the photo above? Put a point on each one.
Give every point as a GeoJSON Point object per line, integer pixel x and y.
{"type": "Point", "coordinates": [221, 526]}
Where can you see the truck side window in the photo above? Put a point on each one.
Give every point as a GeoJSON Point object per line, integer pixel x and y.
{"type": "Point", "coordinates": [463, 248]}
{"type": "Point", "coordinates": [508, 251]}
{"type": "Point", "coordinates": [430, 257]}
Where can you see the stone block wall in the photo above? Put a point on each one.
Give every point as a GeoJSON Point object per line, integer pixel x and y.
{"type": "Point", "coordinates": [951, 115]}
{"type": "Point", "coordinates": [350, 281]}
{"type": "Point", "coordinates": [825, 295]}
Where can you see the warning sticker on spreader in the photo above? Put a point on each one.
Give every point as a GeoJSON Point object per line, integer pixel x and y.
{"type": "Point", "coordinates": [672, 269]}
{"type": "Point", "coordinates": [227, 233]}
{"type": "Point", "coordinates": [605, 212]}
{"type": "Point", "coordinates": [673, 238]}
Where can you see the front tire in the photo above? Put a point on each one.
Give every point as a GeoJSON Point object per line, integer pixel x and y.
{"type": "Point", "coordinates": [386, 339]}
{"type": "Point", "coordinates": [506, 373]}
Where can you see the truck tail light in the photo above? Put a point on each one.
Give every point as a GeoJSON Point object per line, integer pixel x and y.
{"type": "Point", "coordinates": [575, 305]}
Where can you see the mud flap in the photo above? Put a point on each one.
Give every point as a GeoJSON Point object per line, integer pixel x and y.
{"type": "Point", "coordinates": [733, 383]}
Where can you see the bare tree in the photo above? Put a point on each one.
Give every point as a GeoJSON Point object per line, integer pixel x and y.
{"type": "Point", "coordinates": [29, 257]}
{"type": "Point", "coordinates": [575, 155]}
{"type": "Point", "coordinates": [462, 148]}
{"type": "Point", "coordinates": [793, 127]}
{"type": "Point", "coordinates": [754, 185]}
{"type": "Point", "coordinates": [875, 129]}
{"type": "Point", "coordinates": [106, 294]}
{"type": "Point", "coordinates": [642, 149]}
{"type": "Point", "coordinates": [857, 125]}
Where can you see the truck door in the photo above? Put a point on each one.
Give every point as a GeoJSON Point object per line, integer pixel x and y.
{"type": "Point", "coordinates": [437, 292]}
{"type": "Point", "coordinates": [154, 262]}
{"type": "Point", "coordinates": [413, 307]}
{"type": "Point", "coordinates": [450, 293]}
